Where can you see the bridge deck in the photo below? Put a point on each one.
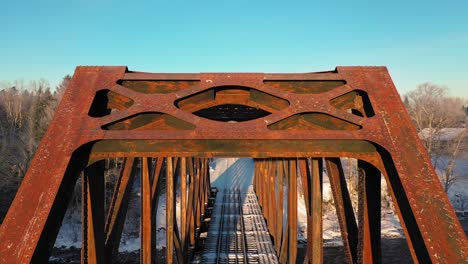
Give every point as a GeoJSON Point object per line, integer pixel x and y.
{"type": "Point", "coordinates": [237, 231]}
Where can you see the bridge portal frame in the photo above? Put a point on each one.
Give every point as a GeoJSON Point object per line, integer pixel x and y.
{"type": "Point", "coordinates": [350, 112]}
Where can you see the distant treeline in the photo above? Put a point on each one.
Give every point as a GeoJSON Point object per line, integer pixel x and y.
{"type": "Point", "coordinates": [25, 113]}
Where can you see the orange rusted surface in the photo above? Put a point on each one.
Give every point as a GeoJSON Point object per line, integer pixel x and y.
{"type": "Point", "coordinates": [350, 112]}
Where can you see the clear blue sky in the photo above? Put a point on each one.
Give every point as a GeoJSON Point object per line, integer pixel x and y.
{"type": "Point", "coordinates": [418, 41]}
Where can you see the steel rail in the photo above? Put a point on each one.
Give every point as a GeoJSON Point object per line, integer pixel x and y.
{"type": "Point", "coordinates": [221, 227]}
{"type": "Point", "coordinates": [243, 236]}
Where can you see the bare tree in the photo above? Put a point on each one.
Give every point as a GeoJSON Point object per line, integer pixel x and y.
{"type": "Point", "coordinates": [12, 104]}
{"type": "Point", "coordinates": [453, 149]}
{"type": "Point", "coordinates": [460, 201]}
{"type": "Point", "coordinates": [433, 112]}
{"type": "Point", "coordinates": [60, 89]}
{"type": "Point", "coordinates": [25, 113]}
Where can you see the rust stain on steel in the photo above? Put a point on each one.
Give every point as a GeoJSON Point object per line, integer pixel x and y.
{"type": "Point", "coordinates": [111, 112]}
{"type": "Point", "coordinates": [292, 212]}
{"type": "Point", "coordinates": [344, 208]}
{"type": "Point", "coordinates": [118, 207]}
{"type": "Point", "coordinates": [146, 219]}
{"type": "Point", "coordinates": [369, 215]}
{"type": "Point", "coordinates": [170, 211]}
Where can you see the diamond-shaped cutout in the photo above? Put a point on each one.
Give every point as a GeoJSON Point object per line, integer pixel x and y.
{"type": "Point", "coordinates": [106, 102]}
{"type": "Point", "coordinates": [356, 101]}
{"type": "Point", "coordinates": [232, 103]}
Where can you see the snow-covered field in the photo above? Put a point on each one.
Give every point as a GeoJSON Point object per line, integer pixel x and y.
{"type": "Point", "coordinates": [458, 192]}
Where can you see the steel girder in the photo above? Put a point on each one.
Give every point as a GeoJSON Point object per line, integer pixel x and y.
{"type": "Point", "coordinates": [350, 112]}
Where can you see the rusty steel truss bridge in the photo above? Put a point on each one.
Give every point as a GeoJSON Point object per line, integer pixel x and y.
{"type": "Point", "coordinates": [293, 125]}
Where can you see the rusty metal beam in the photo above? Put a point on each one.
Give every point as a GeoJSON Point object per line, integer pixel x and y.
{"type": "Point", "coordinates": [183, 200]}
{"type": "Point", "coordinates": [197, 205]}
{"type": "Point", "coordinates": [369, 215]}
{"type": "Point", "coordinates": [272, 200]}
{"type": "Point", "coordinates": [118, 207]}
{"type": "Point", "coordinates": [315, 221]}
{"type": "Point", "coordinates": [156, 177]}
{"type": "Point", "coordinates": [283, 255]}
{"type": "Point", "coordinates": [279, 204]}
{"type": "Point", "coordinates": [169, 211]}
{"type": "Point", "coordinates": [146, 219]}
{"type": "Point", "coordinates": [93, 242]}
{"type": "Point", "coordinates": [344, 208]}
{"type": "Point", "coordinates": [292, 211]}
{"type": "Point", "coordinates": [265, 148]}
{"type": "Point", "coordinates": [191, 203]}
{"type": "Point", "coordinates": [306, 179]}
{"type": "Point", "coordinates": [156, 186]}
{"type": "Point", "coordinates": [352, 111]}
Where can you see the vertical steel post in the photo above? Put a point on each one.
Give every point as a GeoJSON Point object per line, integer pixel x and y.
{"type": "Point", "coordinates": [369, 213]}
{"type": "Point", "coordinates": [118, 207]}
{"type": "Point", "coordinates": [292, 210]}
{"type": "Point", "coordinates": [280, 201]}
{"type": "Point", "coordinates": [344, 208]}
{"type": "Point", "coordinates": [316, 206]}
{"type": "Point", "coordinates": [272, 200]}
{"type": "Point", "coordinates": [93, 241]}
{"type": "Point", "coordinates": [146, 219]}
{"type": "Point", "coordinates": [183, 201]}
{"type": "Point", "coordinates": [169, 211]}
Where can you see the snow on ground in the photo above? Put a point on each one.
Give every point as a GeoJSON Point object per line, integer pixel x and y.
{"type": "Point", "coordinates": [70, 233]}
{"type": "Point", "coordinates": [458, 192]}
{"type": "Point", "coordinates": [445, 134]}
{"type": "Point", "coordinates": [235, 173]}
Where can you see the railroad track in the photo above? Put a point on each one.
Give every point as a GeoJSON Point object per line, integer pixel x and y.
{"type": "Point", "coordinates": [237, 231]}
